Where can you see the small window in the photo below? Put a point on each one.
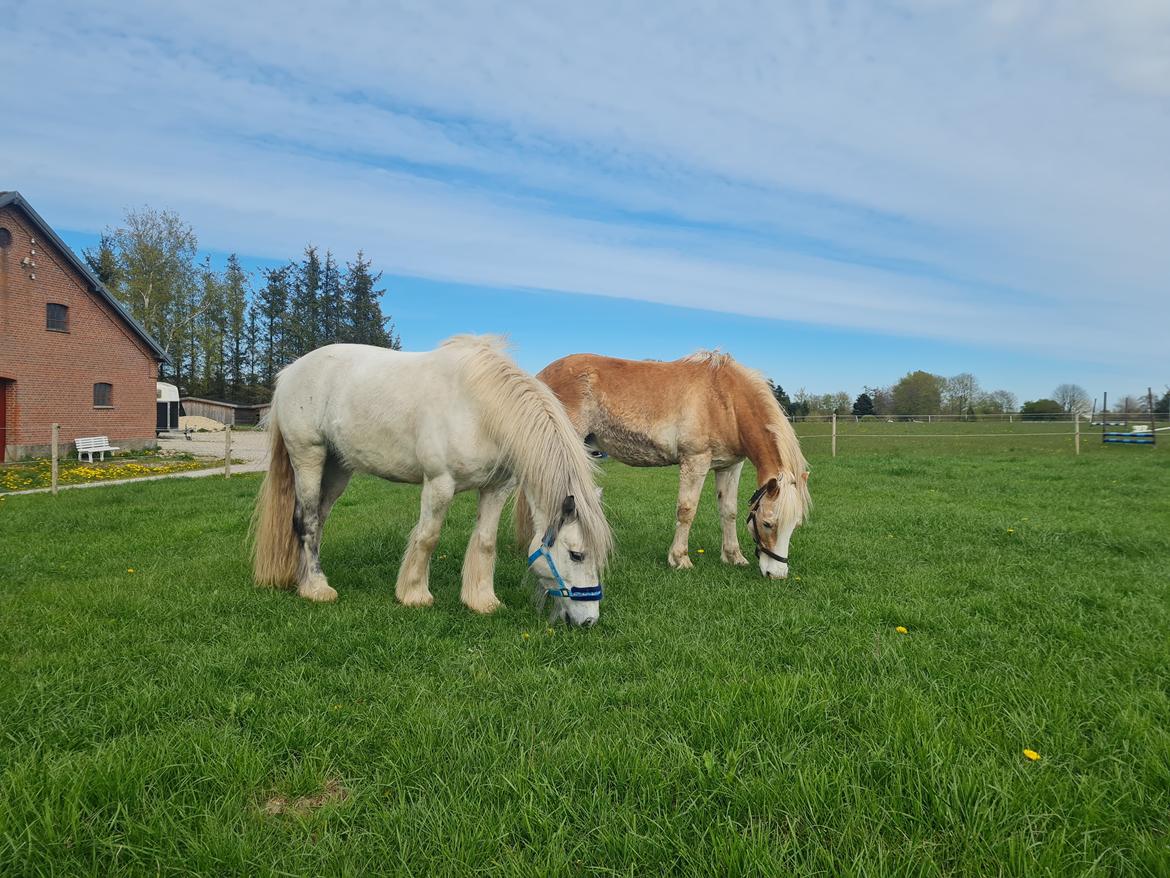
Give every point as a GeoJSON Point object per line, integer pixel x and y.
{"type": "Point", "coordinates": [57, 317]}
{"type": "Point", "coordinates": [5, 238]}
{"type": "Point", "coordinates": [103, 395]}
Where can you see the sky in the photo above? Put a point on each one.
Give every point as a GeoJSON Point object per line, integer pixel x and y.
{"type": "Point", "coordinates": [836, 193]}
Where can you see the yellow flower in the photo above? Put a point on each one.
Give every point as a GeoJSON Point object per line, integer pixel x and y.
{"type": "Point", "coordinates": [901, 629]}
{"type": "Point", "coordinates": [701, 551]}
{"type": "Point", "coordinates": [549, 631]}
{"type": "Point", "coordinates": [129, 569]}
{"type": "Point", "coordinates": [1011, 530]}
{"type": "Point", "coordinates": [1032, 754]}
{"type": "Point", "coordinates": [797, 578]}
{"type": "Point", "coordinates": [524, 635]}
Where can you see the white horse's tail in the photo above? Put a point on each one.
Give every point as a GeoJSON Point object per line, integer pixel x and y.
{"type": "Point", "coordinates": [275, 549]}
{"type": "Point", "coordinates": [547, 456]}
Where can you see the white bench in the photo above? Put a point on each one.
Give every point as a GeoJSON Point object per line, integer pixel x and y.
{"type": "Point", "coordinates": [93, 445]}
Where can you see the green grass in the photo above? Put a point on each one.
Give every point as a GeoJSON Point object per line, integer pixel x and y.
{"type": "Point", "coordinates": [714, 723]}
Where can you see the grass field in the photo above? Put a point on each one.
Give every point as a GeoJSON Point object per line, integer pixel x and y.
{"type": "Point", "coordinates": [174, 720]}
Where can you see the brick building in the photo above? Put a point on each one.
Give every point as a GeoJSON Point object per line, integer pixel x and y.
{"type": "Point", "coordinates": [69, 352]}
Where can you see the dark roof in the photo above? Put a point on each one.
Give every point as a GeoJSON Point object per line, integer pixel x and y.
{"type": "Point", "coordinates": [99, 289]}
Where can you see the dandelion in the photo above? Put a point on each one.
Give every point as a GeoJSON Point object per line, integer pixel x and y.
{"type": "Point", "coordinates": [901, 629]}
{"type": "Point", "coordinates": [1011, 530]}
{"type": "Point", "coordinates": [129, 569]}
{"type": "Point", "coordinates": [549, 631]}
{"type": "Point", "coordinates": [524, 636]}
{"type": "Point", "coordinates": [1032, 755]}
{"type": "Point", "coordinates": [797, 578]}
{"type": "Point", "coordinates": [702, 551]}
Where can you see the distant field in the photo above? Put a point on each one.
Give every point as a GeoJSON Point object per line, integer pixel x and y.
{"type": "Point", "coordinates": [175, 720]}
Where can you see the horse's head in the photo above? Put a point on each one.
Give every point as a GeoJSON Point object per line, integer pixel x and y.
{"type": "Point", "coordinates": [566, 573]}
{"type": "Point", "coordinates": [775, 510]}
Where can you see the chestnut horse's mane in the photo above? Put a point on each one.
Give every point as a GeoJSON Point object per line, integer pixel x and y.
{"type": "Point", "coordinates": [792, 459]}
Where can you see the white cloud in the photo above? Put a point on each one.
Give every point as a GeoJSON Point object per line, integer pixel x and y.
{"type": "Point", "coordinates": [952, 170]}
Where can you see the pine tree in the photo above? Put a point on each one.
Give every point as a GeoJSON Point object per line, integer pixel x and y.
{"type": "Point", "coordinates": [207, 338]}
{"type": "Point", "coordinates": [332, 301]}
{"type": "Point", "coordinates": [252, 350]}
{"type": "Point", "coordinates": [304, 318]}
{"type": "Point", "coordinates": [781, 396]}
{"type": "Point", "coordinates": [235, 302]}
{"type": "Point", "coordinates": [863, 405]}
{"type": "Point", "coordinates": [103, 262]}
{"type": "Point", "coordinates": [273, 303]}
{"type": "Point", "coordinates": [365, 322]}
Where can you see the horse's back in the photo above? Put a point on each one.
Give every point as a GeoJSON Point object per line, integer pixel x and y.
{"type": "Point", "coordinates": [393, 413]}
{"type": "Point", "coordinates": [644, 412]}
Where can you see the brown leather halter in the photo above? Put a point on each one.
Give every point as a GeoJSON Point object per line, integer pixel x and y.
{"type": "Point", "coordinates": [753, 504]}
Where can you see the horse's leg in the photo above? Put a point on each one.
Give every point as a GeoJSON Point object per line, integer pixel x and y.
{"type": "Point", "coordinates": [309, 465]}
{"type": "Point", "coordinates": [334, 480]}
{"type": "Point", "coordinates": [412, 589]}
{"type": "Point", "coordinates": [692, 472]}
{"type": "Point", "coordinates": [479, 563]}
{"type": "Point", "coordinates": [727, 491]}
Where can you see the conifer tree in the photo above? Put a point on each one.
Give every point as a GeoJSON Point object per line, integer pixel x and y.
{"type": "Point", "coordinates": [235, 303]}
{"type": "Point", "coordinates": [273, 302]}
{"type": "Point", "coordinates": [365, 323]}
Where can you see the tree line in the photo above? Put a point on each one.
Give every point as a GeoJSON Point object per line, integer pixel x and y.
{"type": "Point", "coordinates": [229, 332]}
{"type": "Point", "coordinates": [921, 393]}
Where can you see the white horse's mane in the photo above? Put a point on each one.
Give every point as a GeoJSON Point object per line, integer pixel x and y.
{"type": "Point", "coordinates": [523, 415]}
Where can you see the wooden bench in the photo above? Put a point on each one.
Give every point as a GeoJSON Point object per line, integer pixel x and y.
{"type": "Point", "coordinates": [94, 445]}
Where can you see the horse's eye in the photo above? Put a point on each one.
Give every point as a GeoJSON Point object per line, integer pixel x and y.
{"type": "Point", "coordinates": [576, 556]}
{"type": "Point", "coordinates": [768, 525]}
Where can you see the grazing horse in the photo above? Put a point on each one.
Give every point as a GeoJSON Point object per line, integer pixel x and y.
{"type": "Point", "coordinates": [458, 418]}
{"type": "Point", "coordinates": [703, 412]}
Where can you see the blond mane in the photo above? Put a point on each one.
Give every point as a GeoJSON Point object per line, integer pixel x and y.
{"type": "Point", "coordinates": [792, 460]}
{"type": "Point", "coordinates": [712, 359]}
{"type": "Point", "coordinates": [525, 417]}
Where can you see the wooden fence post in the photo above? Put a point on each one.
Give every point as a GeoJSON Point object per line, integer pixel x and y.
{"type": "Point", "coordinates": [227, 451]}
{"type": "Point", "coordinates": [1077, 435]}
{"type": "Point", "coordinates": [56, 438]}
{"type": "Point", "coordinates": [834, 434]}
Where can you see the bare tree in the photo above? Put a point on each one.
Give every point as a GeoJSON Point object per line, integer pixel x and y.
{"type": "Point", "coordinates": [960, 393]}
{"type": "Point", "coordinates": [1000, 402]}
{"type": "Point", "coordinates": [1072, 398]}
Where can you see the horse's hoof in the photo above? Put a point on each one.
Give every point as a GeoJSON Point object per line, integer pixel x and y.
{"type": "Point", "coordinates": [737, 560]}
{"type": "Point", "coordinates": [683, 562]}
{"type": "Point", "coordinates": [321, 593]}
{"type": "Point", "coordinates": [417, 599]}
{"type": "Point", "coordinates": [485, 608]}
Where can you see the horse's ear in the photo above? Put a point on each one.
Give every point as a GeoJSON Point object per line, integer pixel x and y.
{"type": "Point", "coordinates": [773, 487]}
{"type": "Point", "coordinates": [550, 535]}
{"type": "Point", "coordinates": [569, 507]}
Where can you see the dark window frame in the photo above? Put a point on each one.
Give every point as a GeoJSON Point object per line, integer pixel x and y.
{"type": "Point", "coordinates": [5, 238]}
{"type": "Point", "coordinates": [108, 394]}
{"type": "Point", "coordinates": [58, 325]}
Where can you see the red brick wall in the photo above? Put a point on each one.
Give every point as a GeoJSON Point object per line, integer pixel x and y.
{"type": "Point", "coordinates": [54, 372]}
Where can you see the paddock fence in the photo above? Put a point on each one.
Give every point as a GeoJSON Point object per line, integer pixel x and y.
{"type": "Point", "coordinates": [1010, 431]}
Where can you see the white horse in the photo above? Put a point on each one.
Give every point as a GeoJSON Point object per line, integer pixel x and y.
{"type": "Point", "coordinates": [458, 418]}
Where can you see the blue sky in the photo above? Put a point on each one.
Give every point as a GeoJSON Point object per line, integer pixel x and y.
{"type": "Point", "coordinates": [836, 193]}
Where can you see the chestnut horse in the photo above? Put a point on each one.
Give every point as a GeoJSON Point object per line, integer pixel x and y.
{"type": "Point", "coordinates": [703, 412]}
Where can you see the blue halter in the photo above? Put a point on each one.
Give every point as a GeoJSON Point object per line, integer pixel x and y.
{"type": "Point", "coordinates": [592, 593]}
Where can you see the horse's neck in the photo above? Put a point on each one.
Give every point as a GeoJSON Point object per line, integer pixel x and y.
{"type": "Point", "coordinates": [759, 445]}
